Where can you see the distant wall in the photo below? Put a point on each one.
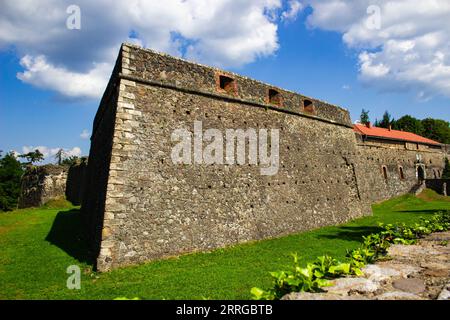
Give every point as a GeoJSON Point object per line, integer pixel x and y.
{"type": "Point", "coordinates": [41, 184]}
{"type": "Point", "coordinates": [390, 168]}
{"type": "Point", "coordinates": [441, 186]}
{"type": "Point", "coordinates": [75, 183]}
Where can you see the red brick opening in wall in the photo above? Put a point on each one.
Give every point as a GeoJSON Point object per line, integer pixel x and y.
{"type": "Point", "coordinates": [308, 107]}
{"type": "Point", "coordinates": [226, 84]}
{"type": "Point", "coordinates": [274, 97]}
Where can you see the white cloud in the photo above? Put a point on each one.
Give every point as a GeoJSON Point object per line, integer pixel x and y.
{"type": "Point", "coordinates": [409, 51]}
{"type": "Point", "coordinates": [77, 63]}
{"type": "Point", "coordinates": [85, 135]}
{"type": "Point", "coordinates": [294, 8]}
{"type": "Point", "coordinates": [42, 74]}
{"type": "Point", "coordinates": [49, 153]}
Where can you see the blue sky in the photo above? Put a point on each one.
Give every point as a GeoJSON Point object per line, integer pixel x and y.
{"type": "Point", "coordinates": [305, 48]}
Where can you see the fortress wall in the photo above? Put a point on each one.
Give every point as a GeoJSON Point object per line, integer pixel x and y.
{"type": "Point", "coordinates": [392, 155]}
{"type": "Point", "coordinates": [139, 205]}
{"type": "Point", "coordinates": [97, 173]}
{"type": "Point", "coordinates": [41, 184]}
{"type": "Point", "coordinates": [163, 69]}
{"type": "Point", "coordinates": [75, 183]}
{"type": "Point", "coordinates": [441, 186]}
{"type": "Point", "coordinates": [154, 208]}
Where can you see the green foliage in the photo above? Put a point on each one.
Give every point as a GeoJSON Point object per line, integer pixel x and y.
{"type": "Point", "coordinates": [309, 279]}
{"type": "Point", "coordinates": [364, 118]}
{"type": "Point", "coordinates": [58, 203]}
{"type": "Point", "coordinates": [10, 178]}
{"type": "Point", "coordinates": [225, 274]}
{"type": "Point", "coordinates": [312, 278]}
{"type": "Point", "coordinates": [59, 156]}
{"type": "Point", "coordinates": [436, 129]}
{"type": "Point", "coordinates": [375, 246]}
{"type": "Point", "coordinates": [409, 124]}
{"type": "Point", "coordinates": [33, 157]}
{"type": "Point", "coordinates": [386, 122]}
{"type": "Point", "coordinates": [74, 160]}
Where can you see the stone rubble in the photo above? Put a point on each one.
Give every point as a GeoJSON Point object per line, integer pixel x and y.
{"type": "Point", "coordinates": [416, 272]}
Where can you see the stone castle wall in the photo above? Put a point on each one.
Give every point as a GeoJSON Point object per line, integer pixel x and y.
{"type": "Point", "coordinates": [441, 186]}
{"type": "Point", "coordinates": [140, 206]}
{"type": "Point", "coordinates": [100, 157]}
{"type": "Point", "coordinates": [154, 208]}
{"type": "Point", "coordinates": [76, 175]}
{"type": "Point", "coordinates": [41, 184]}
{"type": "Point", "coordinates": [401, 163]}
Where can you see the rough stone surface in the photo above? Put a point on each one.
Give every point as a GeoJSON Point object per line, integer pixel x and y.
{"type": "Point", "coordinates": [411, 285]}
{"type": "Point", "coordinates": [404, 277]}
{"type": "Point", "coordinates": [379, 274]}
{"type": "Point", "coordinates": [349, 286]}
{"type": "Point", "coordinates": [140, 206]}
{"type": "Point", "coordinates": [445, 293]}
{"type": "Point", "coordinates": [398, 295]}
{"type": "Point", "coordinates": [320, 296]}
{"type": "Point", "coordinates": [41, 184]}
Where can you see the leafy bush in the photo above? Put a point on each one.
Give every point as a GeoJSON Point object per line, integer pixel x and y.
{"type": "Point", "coordinates": [10, 178]}
{"type": "Point", "coordinates": [375, 246]}
{"type": "Point", "coordinates": [312, 278]}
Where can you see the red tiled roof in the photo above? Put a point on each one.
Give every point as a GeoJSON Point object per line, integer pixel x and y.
{"type": "Point", "coordinates": [392, 134]}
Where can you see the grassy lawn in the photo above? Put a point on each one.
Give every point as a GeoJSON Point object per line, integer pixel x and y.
{"type": "Point", "coordinates": [37, 246]}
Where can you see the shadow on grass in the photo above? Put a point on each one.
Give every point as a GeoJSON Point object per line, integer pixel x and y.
{"type": "Point", "coordinates": [352, 233]}
{"type": "Point", "coordinates": [426, 212]}
{"type": "Point", "coordinates": [66, 234]}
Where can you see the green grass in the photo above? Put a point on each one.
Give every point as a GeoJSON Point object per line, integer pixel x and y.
{"type": "Point", "coordinates": [38, 245]}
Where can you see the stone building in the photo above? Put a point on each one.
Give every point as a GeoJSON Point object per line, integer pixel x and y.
{"type": "Point", "coordinates": [396, 161]}
{"type": "Point", "coordinates": [139, 204]}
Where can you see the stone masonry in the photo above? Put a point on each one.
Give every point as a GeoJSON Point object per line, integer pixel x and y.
{"type": "Point", "coordinates": [40, 184]}
{"type": "Point", "coordinates": [139, 206]}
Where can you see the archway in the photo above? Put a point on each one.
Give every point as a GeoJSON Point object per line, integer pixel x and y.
{"type": "Point", "coordinates": [420, 173]}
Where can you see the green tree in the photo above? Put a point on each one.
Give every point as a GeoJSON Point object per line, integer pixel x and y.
{"type": "Point", "coordinates": [409, 124]}
{"type": "Point", "coordinates": [10, 178]}
{"type": "Point", "coordinates": [438, 130]}
{"type": "Point", "coordinates": [33, 157]}
{"type": "Point", "coordinates": [59, 156]}
{"type": "Point", "coordinates": [446, 173]}
{"type": "Point", "coordinates": [71, 161]}
{"type": "Point", "coordinates": [364, 118]}
{"type": "Point", "coordinates": [386, 122]}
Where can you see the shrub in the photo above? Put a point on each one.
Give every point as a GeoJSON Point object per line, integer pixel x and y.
{"type": "Point", "coordinates": [375, 246]}
{"type": "Point", "coordinates": [10, 178]}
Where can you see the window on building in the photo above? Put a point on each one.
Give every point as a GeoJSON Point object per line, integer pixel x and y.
{"type": "Point", "coordinates": [401, 173]}
{"type": "Point", "coordinates": [385, 173]}
{"type": "Point", "coordinates": [227, 84]}
{"type": "Point", "coordinates": [275, 97]}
